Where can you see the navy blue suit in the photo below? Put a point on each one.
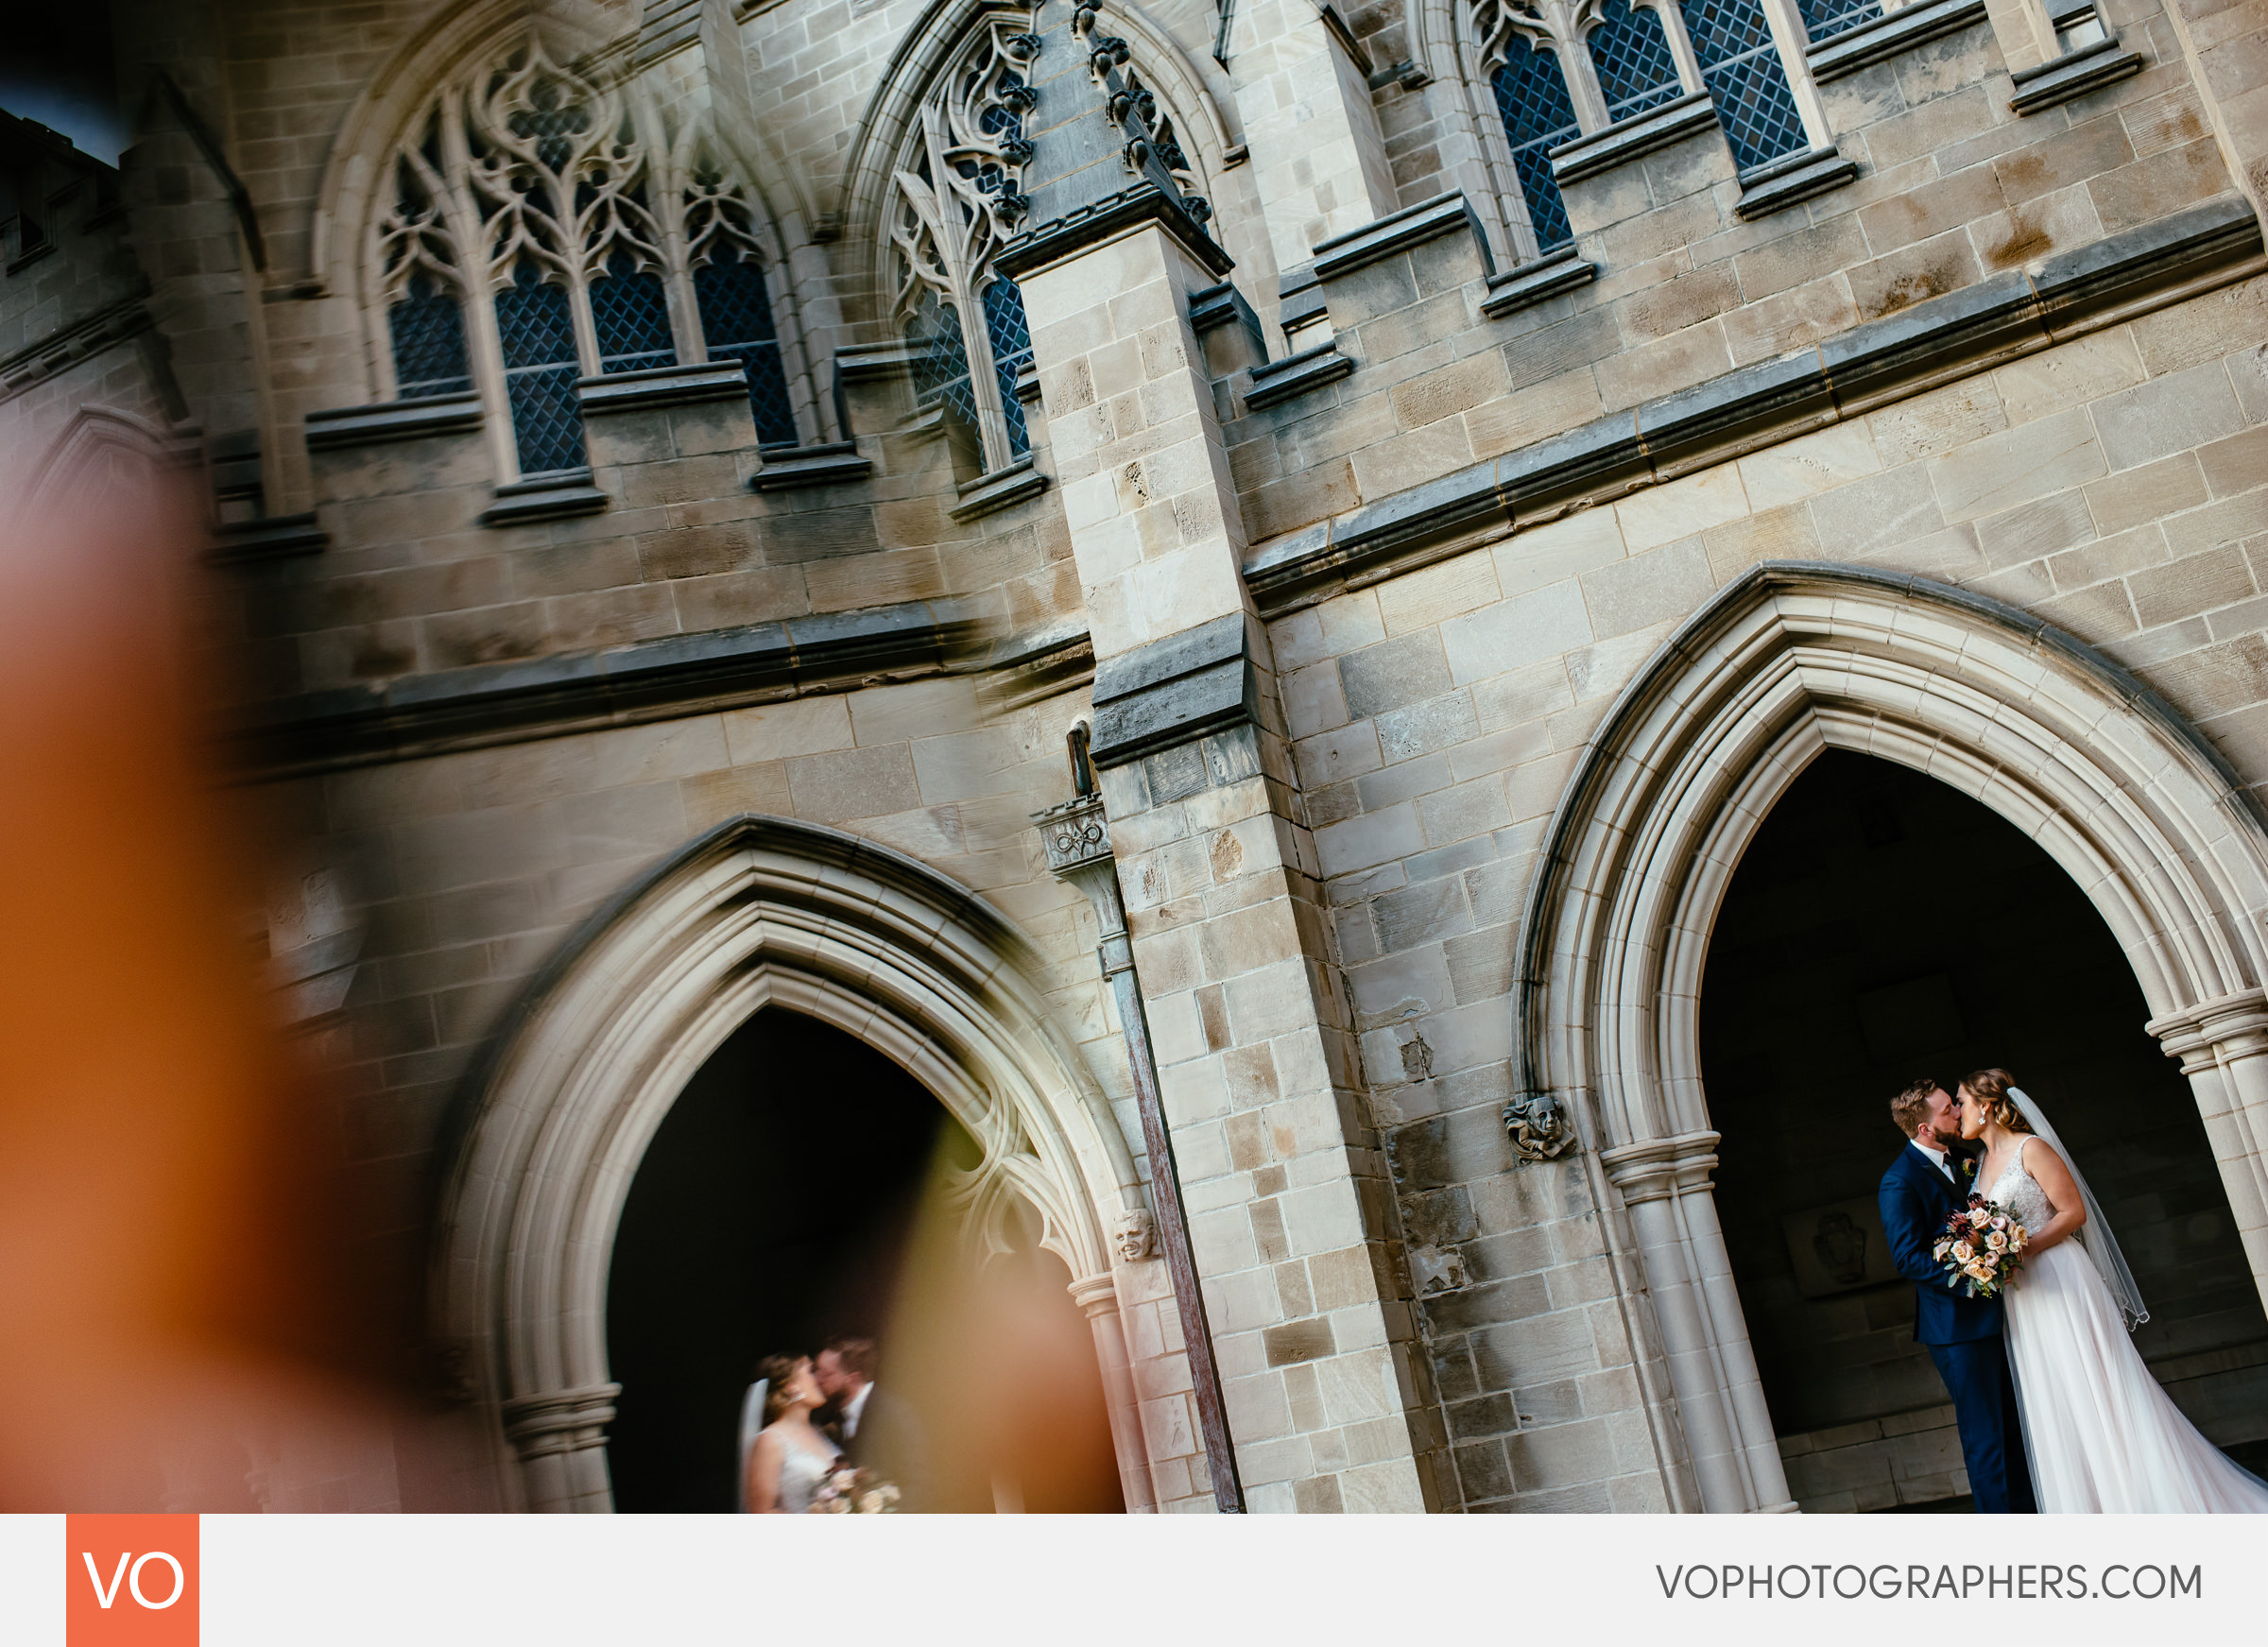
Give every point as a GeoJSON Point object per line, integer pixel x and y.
{"type": "Point", "coordinates": [1962, 1334]}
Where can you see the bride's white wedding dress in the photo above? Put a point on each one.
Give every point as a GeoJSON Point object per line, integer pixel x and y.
{"type": "Point", "coordinates": [802, 1472]}
{"type": "Point", "coordinates": [2100, 1433]}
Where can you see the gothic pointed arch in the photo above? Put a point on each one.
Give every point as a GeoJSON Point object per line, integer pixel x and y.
{"type": "Point", "coordinates": [760, 911]}
{"type": "Point", "coordinates": [1789, 661]}
{"type": "Point", "coordinates": [100, 448]}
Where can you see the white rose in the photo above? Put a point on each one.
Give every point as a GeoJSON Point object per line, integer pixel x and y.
{"type": "Point", "coordinates": [1996, 1241]}
{"type": "Point", "coordinates": [1963, 1252]}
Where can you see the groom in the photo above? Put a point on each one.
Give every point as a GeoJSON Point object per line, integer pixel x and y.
{"type": "Point", "coordinates": [1963, 1335]}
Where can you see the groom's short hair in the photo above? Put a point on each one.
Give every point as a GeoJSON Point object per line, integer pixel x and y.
{"type": "Point", "coordinates": [1911, 1108]}
{"type": "Point", "coordinates": [854, 1355]}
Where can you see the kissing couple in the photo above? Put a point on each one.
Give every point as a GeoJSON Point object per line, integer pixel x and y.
{"type": "Point", "coordinates": [807, 1418]}
{"type": "Point", "coordinates": [2056, 1408]}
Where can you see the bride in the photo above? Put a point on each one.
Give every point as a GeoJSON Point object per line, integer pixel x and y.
{"type": "Point", "coordinates": [789, 1459]}
{"type": "Point", "coordinates": [2100, 1433]}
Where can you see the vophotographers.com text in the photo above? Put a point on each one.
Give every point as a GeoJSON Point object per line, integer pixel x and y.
{"type": "Point", "coordinates": [1887, 1581]}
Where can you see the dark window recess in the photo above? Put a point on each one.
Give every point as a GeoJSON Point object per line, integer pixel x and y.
{"type": "Point", "coordinates": [1531, 94]}
{"type": "Point", "coordinates": [1742, 72]}
{"type": "Point", "coordinates": [429, 342]}
{"type": "Point", "coordinates": [1632, 55]}
{"type": "Point", "coordinates": [941, 360]}
{"type": "Point", "coordinates": [631, 318]}
{"type": "Point", "coordinates": [736, 323]}
{"type": "Point", "coordinates": [539, 371]}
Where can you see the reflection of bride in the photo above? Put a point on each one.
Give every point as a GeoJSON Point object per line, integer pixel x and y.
{"type": "Point", "coordinates": [2100, 1433]}
{"type": "Point", "coordinates": [783, 1468]}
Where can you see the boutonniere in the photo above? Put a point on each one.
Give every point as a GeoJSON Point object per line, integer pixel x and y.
{"type": "Point", "coordinates": [1968, 1166]}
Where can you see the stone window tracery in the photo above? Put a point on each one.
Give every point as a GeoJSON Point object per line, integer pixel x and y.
{"type": "Point", "coordinates": [958, 197]}
{"type": "Point", "coordinates": [544, 227]}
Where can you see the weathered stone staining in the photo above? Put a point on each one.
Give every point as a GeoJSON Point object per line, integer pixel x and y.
{"type": "Point", "coordinates": [1449, 597]}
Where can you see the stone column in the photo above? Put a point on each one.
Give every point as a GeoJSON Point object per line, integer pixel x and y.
{"type": "Point", "coordinates": [1097, 1298]}
{"type": "Point", "coordinates": [561, 1438]}
{"type": "Point", "coordinates": [1664, 1182]}
{"type": "Point", "coordinates": [1303, 98]}
{"type": "Point", "coordinates": [1289, 1206]}
{"type": "Point", "coordinates": [2223, 1045]}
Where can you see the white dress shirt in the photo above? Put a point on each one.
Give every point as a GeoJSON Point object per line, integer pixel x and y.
{"type": "Point", "coordinates": [1937, 1159]}
{"type": "Point", "coordinates": [851, 1412]}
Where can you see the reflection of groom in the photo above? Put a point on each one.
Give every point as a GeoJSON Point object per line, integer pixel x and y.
{"type": "Point", "coordinates": [1962, 1334]}
{"type": "Point", "coordinates": [877, 1431]}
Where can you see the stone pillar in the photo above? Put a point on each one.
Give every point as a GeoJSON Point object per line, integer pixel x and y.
{"type": "Point", "coordinates": [1303, 98]}
{"type": "Point", "coordinates": [561, 1438]}
{"type": "Point", "coordinates": [1076, 838]}
{"type": "Point", "coordinates": [1664, 1182]}
{"type": "Point", "coordinates": [2223, 1045]}
{"type": "Point", "coordinates": [1097, 1299]}
{"type": "Point", "coordinates": [1289, 1206]}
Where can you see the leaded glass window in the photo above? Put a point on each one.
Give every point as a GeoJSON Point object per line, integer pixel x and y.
{"type": "Point", "coordinates": [1531, 94]}
{"type": "Point", "coordinates": [1011, 340]}
{"type": "Point", "coordinates": [1632, 56]}
{"type": "Point", "coordinates": [428, 331]}
{"type": "Point", "coordinates": [601, 223]}
{"type": "Point", "coordinates": [540, 369]}
{"type": "Point", "coordinates": [631, 316]}
{"type": "Point", "coordinates": [1824, 19]}
{"type": "Point", "coordinates": [1742, 69]}
{"type": "Point", "coordinates": [736, 323]}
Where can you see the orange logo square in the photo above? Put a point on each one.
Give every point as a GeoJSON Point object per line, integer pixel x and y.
{"type": "Point", "coordinates": [130, 1581]}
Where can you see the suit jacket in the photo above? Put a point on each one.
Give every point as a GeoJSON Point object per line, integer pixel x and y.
{"type": "Point", "coordinates": [891, 1443]}
{"type": "Point", "coordinates": [1916, 1202]}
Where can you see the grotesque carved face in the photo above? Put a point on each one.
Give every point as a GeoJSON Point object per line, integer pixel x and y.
{"type": "Point", "coordinates": [1132, 1235]}
{"type": "Point", "coordinates": [1538, 1126]}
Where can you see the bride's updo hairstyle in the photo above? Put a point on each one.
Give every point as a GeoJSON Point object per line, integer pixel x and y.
{"type": "Point", "coordinates": [776, 1370]}
{"type": "Point", "coordinates": [1991, 1089]}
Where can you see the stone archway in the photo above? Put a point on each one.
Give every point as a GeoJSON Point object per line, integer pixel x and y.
{"type": "Point", "coordinates": [1791, 660]}
{"type": "Point", "coordinates": [760, 911]}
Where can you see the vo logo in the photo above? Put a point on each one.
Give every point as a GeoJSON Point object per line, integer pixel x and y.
{"type": "Point", "coordinates": [131, 1581]}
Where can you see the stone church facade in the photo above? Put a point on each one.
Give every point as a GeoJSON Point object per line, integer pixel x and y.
{"type": "Point", "coordinates": [683, 476]}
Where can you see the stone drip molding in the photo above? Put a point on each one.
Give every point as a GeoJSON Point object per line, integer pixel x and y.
{"type": "Point", "coordinates": [644, 680]}
{"type": "Point", "coordinates": [2012, 314]}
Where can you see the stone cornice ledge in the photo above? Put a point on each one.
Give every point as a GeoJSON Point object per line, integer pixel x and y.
{"type": "Point", "coordinates": [1533, 282]}
{"type": "Point", "coordinates": [644, 681]}
{"type": "Point", "coordinates": [1171, 692]}
{"type": "Point", "coordinates": [547, 497]}
{"type": "Point", "coordinates": [987, 493]}
{"type": "Point", "coordinates": [1294, 374]}
{"type": "Point", "coordinates": [2011, 314]}
{"type": "Point", "coordinates": [1411, 226]}
{"type": "Point", "coordinates": [1108, 219]}
{"type": "Point", "coordinates": [1598, 151]}
{"type": "Point", "coordinates": [1793, 179]}
{"type": "Point", "coordinates": [346, 426]}
{"type": "Point", "coordinates": [2074, 74]}
{"type": "Point", "coordinates": [785, 468]}
{"type": "Point", "coordinates": [660, 386]}
{"type": "Point", "coordinates": [1886, 36]}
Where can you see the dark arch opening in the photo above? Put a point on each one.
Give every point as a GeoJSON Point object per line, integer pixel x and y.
{"type": "Point", "coordinates": [790, 1195]}
{"type": "Point", "coordinates": [1882, 926]}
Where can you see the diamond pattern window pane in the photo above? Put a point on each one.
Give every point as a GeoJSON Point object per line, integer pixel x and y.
{"type": "Point", "coordinates": [1531, 94]}
{"type": "Point", "coordinates": [540, 369]}
{"type": "Point", "coordinates": [1011, 338]}
{"type": "Point", "coordinates": [1632, 56]}
{"type": "Point", "coordinates": [1824, 19]}
{"type": "Point", "coordinates": [736, 323]}
{"type": "Point", "coordinates": [1742, 72]}
{"type": "Point", "coordinates": [429, 342]}
{"type": "Point", "coordinates": [941, 360]}
{"type": "Point", "coordinates": [631, 316]}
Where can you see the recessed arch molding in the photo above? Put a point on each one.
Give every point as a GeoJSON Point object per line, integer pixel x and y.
{"type": "Point", "coordinates": [1788, 661]}
{"type": "Point", "coordinates": [552, 1121]}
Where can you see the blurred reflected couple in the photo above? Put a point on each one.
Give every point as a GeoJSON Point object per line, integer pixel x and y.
{"type": "Point", "coordinates": [805, 1417]}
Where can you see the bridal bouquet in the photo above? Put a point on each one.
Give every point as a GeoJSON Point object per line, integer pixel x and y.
{"type": "Point", "coordinates": [850, 1491]}
{"type": "Point", "coordinates": [1982, 1245]}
